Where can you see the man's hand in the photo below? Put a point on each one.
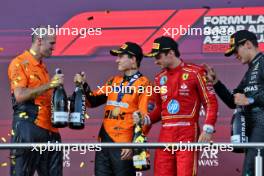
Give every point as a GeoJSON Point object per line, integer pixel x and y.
{"type": "Point", "coordinates": [241, 99]}
{"type": "Point", "coordinates": [136, 118]}
{"type": "Point", "coordinates": [205, 137]}
{"type": "Point", "coordinates": [210, 74]}
{"type": "Point", "coordinates": [80, 78]}
{"type": "Point", "coordinates": [126, 154]}
{"type": "Point", "coordinates": [56, 80]}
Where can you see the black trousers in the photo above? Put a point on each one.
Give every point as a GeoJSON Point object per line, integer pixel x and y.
{"type": "Point", "coordinates": [24, 162]}
{"type": "Point", "coordinates": [255, 134]}
{"type": "Point", "coordinates": [108, 161]}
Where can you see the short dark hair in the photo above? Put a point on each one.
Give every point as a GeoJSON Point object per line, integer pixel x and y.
{"type": "Point", "coordinates": [255, 43]}
{"type": "Point", "coordinates": [176, 52]}
{"type": "Point", "coordinates": [138, 58]}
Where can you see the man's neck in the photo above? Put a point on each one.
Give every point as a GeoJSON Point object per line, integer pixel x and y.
{"type": "Point", "coordinates": [176, 63]}
{"type": "Point", "coordinates": [130, 72]}
{"type": "Point", "coordinates": [34, 52]}
{"type": "Point", "coordinates": [253, 55]}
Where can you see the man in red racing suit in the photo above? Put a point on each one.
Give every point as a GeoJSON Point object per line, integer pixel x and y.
{"type": "Point", "coordinates": [178, 108]}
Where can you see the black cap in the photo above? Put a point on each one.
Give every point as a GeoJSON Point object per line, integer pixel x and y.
{"type": "Point", "coordinates": [128, 48]}
{"type": "Point", "coordinates": [162, 44]}
{"type": "Point", "coordinates": [237, 38]}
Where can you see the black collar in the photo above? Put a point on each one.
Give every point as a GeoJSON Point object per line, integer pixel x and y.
{"type": "Point", "coordinates": [128, 78]}
{"type": "Point", "coordinates": [256, 58]}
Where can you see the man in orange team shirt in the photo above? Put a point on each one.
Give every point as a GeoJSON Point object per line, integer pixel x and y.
{"type": "Point", "coordinates": [31, 100]}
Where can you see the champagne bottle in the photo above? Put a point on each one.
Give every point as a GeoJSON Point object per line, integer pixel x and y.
{"type": "Point", "coordinates": [140, 156]}
{"type": "Point", "coordinates": [238, 128]}
{"type": "Point", "coordinates": [77, 108]}
{"type": "Point", "coordinates": [59, 106]}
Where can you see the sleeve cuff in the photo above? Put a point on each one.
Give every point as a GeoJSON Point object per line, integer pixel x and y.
{"type": "Point", "coordinates": [146, 120]}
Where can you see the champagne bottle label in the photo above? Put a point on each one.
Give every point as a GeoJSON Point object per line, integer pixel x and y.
{"type": "Point", "coordinates": [239, 139]}
{"type": "Point", "coordinates": [60, 116]}
{"type": "Point", "coordinates": [76, 117]}
{"type": "Point", "coordinates": [238, 128]}
{"type": "Point", "coordinates": [140, 160]}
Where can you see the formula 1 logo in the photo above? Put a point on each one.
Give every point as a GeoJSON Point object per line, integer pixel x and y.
{"type": "Point", "coordinates": [109, 29]}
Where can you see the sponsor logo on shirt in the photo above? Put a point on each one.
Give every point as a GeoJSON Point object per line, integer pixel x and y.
{"type": "Point", "coordinates": [251, 88]}
{"type": "Point", "coordinates": [173, 106]}
{"type": "Point", "coordinates": [163, 80]}
{"type": "Point", "coordinates": [184, 90]}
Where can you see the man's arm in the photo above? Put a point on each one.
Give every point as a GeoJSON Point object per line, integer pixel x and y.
{"type": "Point", "coordinates": [19, 81]}
{"type": "Point", "coordinates": [155, 115]}
{"type": "Point", "coordinates": [24, 94]}
{"type": "Point", "coordinates": [226, 96]}
{"type": "Point", "coordinates": [210, 104]}
{"type": "Point", "coordinates": [93, 100]}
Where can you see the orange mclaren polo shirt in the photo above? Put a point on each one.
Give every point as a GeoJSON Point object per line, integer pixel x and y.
{"type": "Point", "coordinates": [25, 71]}
{"type": "Point", "coordinates": [121, 128]}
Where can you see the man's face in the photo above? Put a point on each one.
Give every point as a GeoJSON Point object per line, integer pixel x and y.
{"type": "Point", "coordinates": [163, 60]}
{"type": "Point", "coordinates": [242, 54]}
{"type": "Point", "coordinates": [124, 62]}
{"type": "Point", "coordinates": [47, 44]}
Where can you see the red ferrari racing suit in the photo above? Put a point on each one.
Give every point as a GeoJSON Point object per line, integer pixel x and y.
{"type": "Point", "coordinates": [178, 109]}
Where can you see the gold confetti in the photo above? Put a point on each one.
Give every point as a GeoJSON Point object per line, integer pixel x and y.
{"type": "Point", "coordinates": [87, 116]}
{"type": "Point", "coordinates": [3, 139]}
{"type": "Point", "coordinates": [13, 162]}
{"type": "Point", "coordinates": [82, 164]}
{"type": "Point", "coordinates": [1, 49]}
{"type": "Point", "coordinates": [3, 164]}
{"type": "Point", "coordinates": [12, 133]}
{"type": "Point", "coordinates": [15, 82]}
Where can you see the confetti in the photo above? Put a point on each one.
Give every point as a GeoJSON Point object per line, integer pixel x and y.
{"type": "Point", "coordinates": [12, 133]}
{"type": "Point", "coordinates": [1, 49]}
{"type": "Point", "coordinates": [3, 139]}
{"type": "Point", "coordinates": [3, 164]}
{"type": "Point", "coordinates": [87, 116]}
{"type": "Point", "coordinates": [82, 164]}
